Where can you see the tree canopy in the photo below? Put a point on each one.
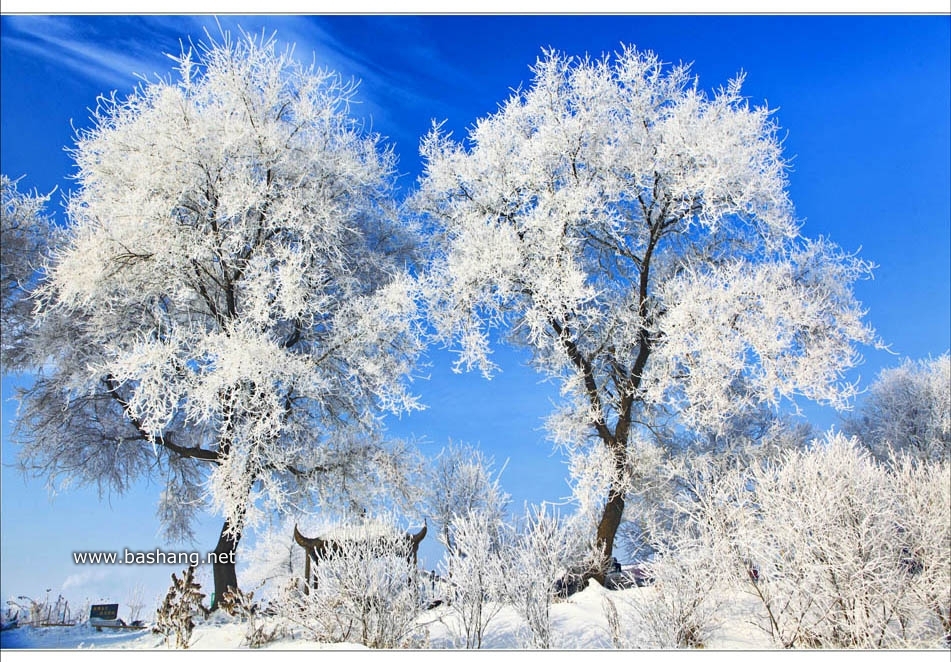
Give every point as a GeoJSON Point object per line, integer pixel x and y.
{"type": "Point", "coordinates": [230, 310]}
{"type": "Point", "coordinates": [27, 235]}
{"type": "Point", "coordinates": [636, 234]}
{"type": "Point", "coordinates": [908, 410]}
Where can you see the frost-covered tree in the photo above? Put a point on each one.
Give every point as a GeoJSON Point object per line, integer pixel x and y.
{"type": "Point", "coordinates": [27, 234]}
{"type": "Point", "coordinates": [635, 233]}
{"type": "Point", "coordinates": [230, 311]}
{"type": "Point", "coordinates": [275, 561]}
{"type": "Point", "coordinates": [908, 411]}
{"type": "Point", "coordinates": [461, 484]}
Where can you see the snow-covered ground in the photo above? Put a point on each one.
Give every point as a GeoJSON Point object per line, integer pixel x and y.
{"type": "Point", "coordinates": [577, 623]}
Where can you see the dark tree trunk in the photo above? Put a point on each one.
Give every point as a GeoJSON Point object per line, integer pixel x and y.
{"type": "Point", "coordinates": [226, 577]}
{"type": "Point", "coordinates": [607, 530]}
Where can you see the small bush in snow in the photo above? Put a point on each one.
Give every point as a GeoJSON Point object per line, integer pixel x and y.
{"type": "Point", "coordinates": [135, 602]}
{"type": "Point", "coordinates": [474, 568]}
{"type": "Point", "coordinates": [535, 564]}
{"type": "Point", "coordinates": [182, 602]}
{"type": "Point", "coordinates": [241, 605]}
{"type": "Point", "coordinates": [364, 591]}
{"type": "Point", "coordinates": [685, 607]}
{"type": "Point", "coordinates": [548, 551]}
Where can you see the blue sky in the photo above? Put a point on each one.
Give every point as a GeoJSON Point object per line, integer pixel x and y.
{"type": "Point", "coordinates": [865, 102]}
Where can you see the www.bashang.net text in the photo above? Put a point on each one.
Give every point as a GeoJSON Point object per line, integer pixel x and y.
{"type": "Point", "coordinates": [151, 557]}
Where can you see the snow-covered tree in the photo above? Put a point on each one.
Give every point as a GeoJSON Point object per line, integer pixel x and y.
{"type": "Point", "coordinates": [135, 601]}
{"type": "Point", "coordinates": [460, 483]}
{"type": "Point", "coordinates": [230, 311]}
{"type": "Point", "coordinates": [27, 234]}
{"type": "Point", "coordinates": [908, 411]}
{"type": "Point", "coordinates": [275, 562]}
{"type": "Point", "coordinates": [635, 233]}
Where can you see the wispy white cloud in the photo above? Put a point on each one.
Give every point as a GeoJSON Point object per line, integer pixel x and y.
{"type": "Point", "coordinates": [401, 74]}
{"type": "Point", "coordinates": [112, 51]}
{"type": "Point", "coordinates": [84, 579]}
{"type": "Point", "coordinates": [86, 49]}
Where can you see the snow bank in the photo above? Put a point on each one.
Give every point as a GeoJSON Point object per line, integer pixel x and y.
{"type": "Point", "coordinates": [577, 623]}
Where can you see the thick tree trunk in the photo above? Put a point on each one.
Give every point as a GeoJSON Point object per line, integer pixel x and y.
{"type": "Point", "coordinates": [607, 530]}
{"type": "Point", "coordinates": [610, 521]}
{"type": "Point", "coordinates": [614, 508]}
{"type": "Point", "coordinates": [226, 577]}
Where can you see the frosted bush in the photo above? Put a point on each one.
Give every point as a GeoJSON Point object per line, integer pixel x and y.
{"type": "Point", "coordinates": [848, 553]}
{"type": "Point", "coordinates": [475, 575]}
{"type": "Point", "coordinates": [364, 590]}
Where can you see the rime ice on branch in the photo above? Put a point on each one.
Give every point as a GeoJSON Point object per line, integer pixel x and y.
{"type": "Point", "coordinates": [27, 234]}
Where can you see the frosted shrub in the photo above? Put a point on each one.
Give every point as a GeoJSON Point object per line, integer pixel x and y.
{"type": "Point", "coordinates": [840, 560]}
{"type": "Point", "coordinates": [925, 527]}
{"type": "Point", "coordinates": [840, 550]}
{"type": "Point", "coordinates": [680, 609]}
{"type": "Point", "coordinates": [135, 600]}
{"type": "Point", "coordinates": [534, 567]}
{"type": "Point", "coordinates": [474, 569]}
{"type": "Point", "coordinates": [693, 560]}
{"type": "Point", "coordinates": [548, 550]}
{"type": "Point", "coordinates": [243, 607]}
{"type": "Point", "coordinates": [685, 607]}
{"type": "Point", "coordinates": [364, 591]}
